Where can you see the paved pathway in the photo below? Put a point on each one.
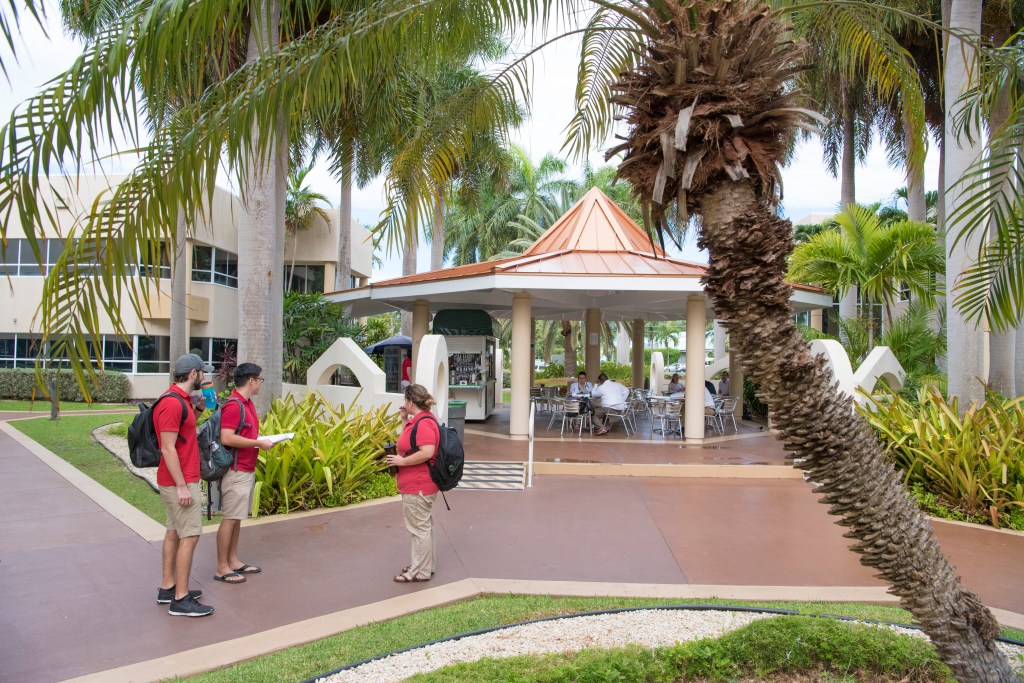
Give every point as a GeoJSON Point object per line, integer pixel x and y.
{"type": "Point", "coordinates": [77, 586]}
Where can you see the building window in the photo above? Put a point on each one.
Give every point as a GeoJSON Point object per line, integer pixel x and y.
{"type": "Point", "coordinates": [117, 354]}
{"type": "Point", "coordinates": [18, 260]}
{"type": "Point", "coordinates": [6, 350]}
{"type": "Point", "coordinates": [153, 354]}
{"type": "Point", "coordinates": [210, 264]}
{"type": "Point", "coordinates": [223, 349]}
{"type": "Point", "coordinates": [305, 279]}
{"type": "Point", "coordinates": [904, 291]}
{"type": "Point", "coordinates": [155, 261]}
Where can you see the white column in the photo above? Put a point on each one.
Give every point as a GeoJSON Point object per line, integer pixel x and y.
{"type": "Point", "coordinates": [622, 343]}
{"type": "Point", "coordinates": [696, 322]}
{"type": "Point", "coordinates": [638, 354]}
{"type": "Point", "coordinates": [522, 365]}
{"type": "Point", "coordinates": [420, 325]}
{"type": "Point", "coordinates": [719, 341]}
{"type": "Point", "coordinates": [593, 343]}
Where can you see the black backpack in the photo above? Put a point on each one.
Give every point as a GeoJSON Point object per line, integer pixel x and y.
{"type": "Point", "coordinates": [214, 459]}
{"type": "Point", "coordinates": [143, 444]}
{"type": "Point", "coordinates": [451, 457]}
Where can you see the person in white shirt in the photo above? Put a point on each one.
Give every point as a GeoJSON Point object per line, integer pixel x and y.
{"type": "Point", "coordinates": [723, 385]}
{"type": "Point", "coordinates": [674, 384]}
{"type": "Point", "coordinates": [581, 386]}
{"type": "Point", "coordinates": [709, 400]}
{"type": "Point", "coordinates": [613, 401]}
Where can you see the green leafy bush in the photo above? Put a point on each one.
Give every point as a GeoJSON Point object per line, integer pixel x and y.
{"type": "Point", "coordinates": [334, 459]}
{"type": "Point", "coordinates": [973, 466]}
{"type": "Point", "coordinates": [620, 372]}
{"type": "Point", "coordinates": [311, 325]}
{"type": "Point", "coordinates": [551, 370]}
{"type": "Point", "coordinates": [506, 379]}
{"type": "Point", "coordinates": [21, 385]}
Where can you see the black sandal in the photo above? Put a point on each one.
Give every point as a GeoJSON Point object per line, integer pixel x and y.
{"type": "Point", "coordinates": [226, 578]}
{"type": "Point", "coordinates": [405, 578]}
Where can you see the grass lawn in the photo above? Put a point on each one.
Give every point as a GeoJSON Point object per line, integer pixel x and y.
{"type": "Point", "coordinates": [71, 439]}
{"type": "Point", "coordinates": [308, 660]}
{"type": "Point", "coordinates": [43, 406]}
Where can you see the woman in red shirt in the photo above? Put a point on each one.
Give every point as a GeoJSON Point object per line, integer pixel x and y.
{"type": "Point", "coordinates": [414, 483]}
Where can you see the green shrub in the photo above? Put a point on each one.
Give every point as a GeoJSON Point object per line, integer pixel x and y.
{"type": "Point", "coordinates": [21, 385]}
{"type": "Point", "coordinates": [551, 370]}
{"type": "Point", "coordinates": [506, 379]}
{"type": "Point", "coordinates": [972, 465]}
{"type": "Point", "coordinates": [620, 372]}
{"type": "Point", "coordinates": [336, 452]}
{"type": "Point", "coordinates": [670, 355]}
{"type": "Point", "coordinates": [751, 400]}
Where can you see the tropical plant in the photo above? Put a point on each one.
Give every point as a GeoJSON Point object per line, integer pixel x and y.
{"type": "Point", "coordinates": [335, 452]}
{"type": "Point", "coordinates": [972, 463]}
{"type": "Point", "coordinates": [708, 99]}
{"type": "Point", "coordinates": [878, 260]}
{"type": "Point", "coordinates": [302, 210]}
{"type": "Point", "coordinates": [380, 327]}
{"type": "Point", "coordinates": [311, 325]}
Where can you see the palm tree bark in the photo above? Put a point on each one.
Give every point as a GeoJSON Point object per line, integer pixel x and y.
{"type": "Point", "coordinates": [261, 240]}
{"type": "Point", "coordinates": [437, 235]}
{"type": "Point", "coordinates": [965, 341]}
{"type": "Point", "coordinates": [343, 272]}
{"type": "Point", "coordinates": [848, 186]}
{"type": "Point", "coordinates": [916, 207]}
{"type": "Point", "coordinates": [748, 245]}
{"type": "Point", "coordinates": [408, 268]}
{"type": "Point", "coordinates": [569, 344]}
{"type": "Point", "coordinates": [179, 291]}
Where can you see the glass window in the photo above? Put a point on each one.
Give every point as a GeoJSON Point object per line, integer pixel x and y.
{"type": "Point", "coordinates": [904, 291]}
{"type": "Point", "coordinates": [6, 350]}
{"type": "Point", "coordinates": [202, 264]}
{"type": "Point", "coordinates": [223, 349]}
{"type": "Point", "coordinates": [155, 259]}
{"type": "Point", "coordinates": [154, 355]}
{"type": "Point", "coordinates": [26, 348]}
{"type": "Point", "coordinates": [306, 279]}
{"type": "Point", "coordinates": [225, 268]}
{"type": "Point", "coordinates": [200, 346]}
{"type": "Point", "coordinates": [117, 354]}
{"type": "Point", "coordinates": [54, 248]}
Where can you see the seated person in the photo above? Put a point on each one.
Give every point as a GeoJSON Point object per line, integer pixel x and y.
{"type": "Point", "coordinates": [709, 400]}
{"type": "Point", "coordinates": [675, 384]}
{"type": "Point", "coordinates": [723, 386]}
{"type": "Point", "coordinates": [613, 400]}
{"type": "Point", "coordinates": [710, 387]}
{"type": "Point", "coordinates": [581, 386]}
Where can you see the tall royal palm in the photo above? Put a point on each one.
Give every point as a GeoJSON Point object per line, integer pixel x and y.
{"type": "Point", "coordinates": [710, 110]}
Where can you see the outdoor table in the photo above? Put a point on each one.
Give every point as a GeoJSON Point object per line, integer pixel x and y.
{"type": "Point", "coordinates": [666, 400]}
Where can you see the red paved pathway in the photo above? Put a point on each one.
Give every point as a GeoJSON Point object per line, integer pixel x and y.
{"type": "Point", "coordinates": [77, 587]}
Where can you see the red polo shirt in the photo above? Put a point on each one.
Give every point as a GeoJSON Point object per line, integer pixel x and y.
{"type": "Point", "coordinates": [230, 419]}
{"type": "Point", "coordinates": [167, 418]}
{"type": "Point", "coordinates": [416, 478]}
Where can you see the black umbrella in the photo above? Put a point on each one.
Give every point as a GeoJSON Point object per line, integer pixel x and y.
{"type": "Point", "coordinates": [399, 341]}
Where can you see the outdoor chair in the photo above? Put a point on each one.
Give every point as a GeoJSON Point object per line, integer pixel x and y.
{"type": "Point", "coordinates": [572, 416]}
{"type": "Point", "coordinates": [622, 416]}
{"type": "Point", "coordinates": [672, 415]}
{"type": "Point", "coordinates": [537, 398]}
{"type": "Point", "coordinates": [726, 410]}
{"type": "Point", "coordinates": [557, 411]}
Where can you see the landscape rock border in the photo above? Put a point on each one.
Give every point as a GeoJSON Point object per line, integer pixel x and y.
{"type": "Point", "coordinates": [118, 447]}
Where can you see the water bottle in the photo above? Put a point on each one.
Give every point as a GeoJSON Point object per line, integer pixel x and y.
{"type": "Point", "coordinates": [209, 395]}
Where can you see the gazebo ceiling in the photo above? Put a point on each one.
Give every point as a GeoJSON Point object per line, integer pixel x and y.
{"type": "Point", "coordinates": [594, 256]}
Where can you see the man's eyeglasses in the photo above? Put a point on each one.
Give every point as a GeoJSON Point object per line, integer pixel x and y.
{"type": "Point", "coordinates": [262, 379]}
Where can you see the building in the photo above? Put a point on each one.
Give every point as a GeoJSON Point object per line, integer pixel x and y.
{"type": "Point", "coordinates": [212, 265]}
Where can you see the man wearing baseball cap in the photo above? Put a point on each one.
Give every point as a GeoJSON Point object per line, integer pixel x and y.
{"type": "Point", "coordinates": [178, 478]}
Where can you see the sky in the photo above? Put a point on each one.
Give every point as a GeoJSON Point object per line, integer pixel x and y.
{"type": "Point", "coordinates": [807, 184]}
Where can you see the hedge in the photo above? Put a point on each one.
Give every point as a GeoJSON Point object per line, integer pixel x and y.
{"type": "Point", "coordinates": [17, 385]}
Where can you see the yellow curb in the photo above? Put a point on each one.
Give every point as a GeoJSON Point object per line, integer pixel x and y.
{"type": "Point", "coordinates": [227, 653]}
{"type": "Point", "coordinates": [611, 469]}
{"type": "Point", "coordinates": [972, 525]}
{"type": "Point", "coordinates": [139, 522]}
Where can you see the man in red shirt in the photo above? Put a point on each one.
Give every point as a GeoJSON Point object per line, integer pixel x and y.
{"type": "Point", "coordinates": [406, 370]}
{"type": "Point", "coordinates": [178, 479]}
{"type": "Point", "coordinates": [241, 436]}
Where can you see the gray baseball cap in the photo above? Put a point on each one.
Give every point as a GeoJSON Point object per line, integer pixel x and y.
{"type": "Point", "coordinates": [190, 362]}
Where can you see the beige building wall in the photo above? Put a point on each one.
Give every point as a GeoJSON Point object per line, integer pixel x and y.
{"type": "Point", "coordinates": [213, 308]}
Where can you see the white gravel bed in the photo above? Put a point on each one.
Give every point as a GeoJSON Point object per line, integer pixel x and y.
{"type": "Point", "coordinates": [647, 628]}
{"type": "Point", "coordinates": [118, 446]}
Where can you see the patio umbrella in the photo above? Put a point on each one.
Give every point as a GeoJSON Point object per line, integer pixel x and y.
{"type": "Point", "coordinates": [399, 341]}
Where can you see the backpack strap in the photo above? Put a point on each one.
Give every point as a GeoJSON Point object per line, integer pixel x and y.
{"type": "Point", "coordinates": [242, 424]}
{"type": "Point", "coordinates": [412, 435]}
{"type": "Point", "coordinates": [184, 409]}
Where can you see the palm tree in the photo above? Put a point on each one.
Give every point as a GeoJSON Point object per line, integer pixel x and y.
{"type": "Point", "coordinates": [301, 211]}
{"type": "Point", "coordinates": [710, 110]}
{"type": "Point", "coordinates": [876, 260]}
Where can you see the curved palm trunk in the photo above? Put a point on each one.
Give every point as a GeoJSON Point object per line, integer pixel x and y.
{"type": "Point", "coordinates": [261, 242]}
{"type": "Point", "coordinates": [343, 272]}
{"type": "Point", "coordinates": [748, 246]}
{"type": "Point", "coordinates": [916, 206]}
{"type": "Point", "coordinates": [848, 187]}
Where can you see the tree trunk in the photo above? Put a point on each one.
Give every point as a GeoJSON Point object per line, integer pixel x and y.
{"type": "Point", "coordinates": [916, 206]}
{"type": "Point", "coordinates": [343, 272]}
{"type": "Point", "coordinates": [261, 240]}
{"type": "Point", "coordinates": [288, 282]}
{"type": "Point", "coordinates": [965, 341]}
{"type": "Point", "coordinates": [621, 344]}
{"type": "Point", "coordinates": [179, 291]}
{"type": "Point", "coordinates": [408, 268]}
{"type": "Point", "coordinates": [1002, 343]}
{"type": "Point", "coordinates": [437, 236]}
{"type": "Point", "coordinates": [848, 187]}
{"type": "Point", "coordinates": [569, 343]}
{"type": "Point", "coordinates": [748, 245]}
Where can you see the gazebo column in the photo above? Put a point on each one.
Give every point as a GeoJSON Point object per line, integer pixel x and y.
{"type": "Point", "coordinates": [420, 327]}
{"type": "Point", "coordinates": [696, 320]}
{"type": "Point", "coordinates": [522, 365]}
{"type": "Point", "coordinates": [593, 343]}
{"type": "Point", "coordinates": [719, 341]}
{"type": "Point", "coordinates": [736, 377]}
{"type": "Point", "coordinates": [638, 354]}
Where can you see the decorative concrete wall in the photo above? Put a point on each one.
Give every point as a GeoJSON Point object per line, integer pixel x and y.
{"type": "Point", "coordinates": [432, 371]}
{"type": "Point", "coordinates": [716, 367]}
{"type": "Point", "coordinates": [657, 372]}
{"type": "Point", "coordinates": [881, 364]}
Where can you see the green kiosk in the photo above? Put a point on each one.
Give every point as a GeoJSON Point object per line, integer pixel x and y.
{"type": "Point", "coordinates": [469, 335]}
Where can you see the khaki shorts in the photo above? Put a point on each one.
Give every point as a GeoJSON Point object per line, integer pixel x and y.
{"type": "Point", "coordinates": [236, 494]}
{"type": "Point", "coordinates": [186, 521]}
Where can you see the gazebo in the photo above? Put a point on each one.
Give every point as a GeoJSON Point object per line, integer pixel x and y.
{"type": "Point", "coordinates": [595, 263]}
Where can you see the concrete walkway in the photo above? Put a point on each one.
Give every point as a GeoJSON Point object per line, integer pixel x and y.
{"type": "Point", "coordinates": [78, 586]}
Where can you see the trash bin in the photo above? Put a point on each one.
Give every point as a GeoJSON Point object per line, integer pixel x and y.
{"type": "Point", "coordinates": [457, 417]}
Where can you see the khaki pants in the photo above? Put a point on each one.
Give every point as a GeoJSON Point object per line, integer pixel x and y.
{"type": "Point", "coordinates": [601, 413]}
{"type": "Point", "coordinates": [418, 520]}
{"type": "Point", "coordinates": [236, 494]}
{"type": "Point", "coordinates": [185, 521]}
